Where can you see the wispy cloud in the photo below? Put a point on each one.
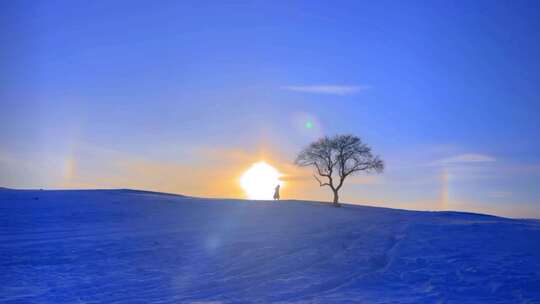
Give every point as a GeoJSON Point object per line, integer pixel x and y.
{"type": "Point", "coordinates": [328, 89]}
{"type": "Point", "coordinates": [500, 194]}
{"type": "Point", "coordinates": [468, 158]}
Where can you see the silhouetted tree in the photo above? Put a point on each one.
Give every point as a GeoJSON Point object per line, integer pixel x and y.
{"type": "Point", "coordinates": [335, 158]}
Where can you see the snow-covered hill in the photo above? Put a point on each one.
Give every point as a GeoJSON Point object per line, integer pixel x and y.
{"type": "Point", "coordinates": [124, 246]}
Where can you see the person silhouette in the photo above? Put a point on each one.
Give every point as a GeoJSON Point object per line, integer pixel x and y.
{"type": "Point", "coordinates": [276, 193]}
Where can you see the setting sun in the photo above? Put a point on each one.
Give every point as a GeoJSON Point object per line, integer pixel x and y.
{"type": "Point", "coordinates": [260, 180]}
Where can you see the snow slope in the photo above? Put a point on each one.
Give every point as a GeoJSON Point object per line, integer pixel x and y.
{"type": "Point", "coordinates": [124, 246]}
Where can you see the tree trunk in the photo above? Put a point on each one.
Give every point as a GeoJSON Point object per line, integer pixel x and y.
{"type": "Point", "coordinates": [336, 199]}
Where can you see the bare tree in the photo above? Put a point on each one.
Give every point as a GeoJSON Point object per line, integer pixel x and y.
{"type": "Point", "coordinates": [335, 158]}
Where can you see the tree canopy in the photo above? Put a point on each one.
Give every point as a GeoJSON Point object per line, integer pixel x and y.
{"type": "Point", "coordinates": [335, 158]}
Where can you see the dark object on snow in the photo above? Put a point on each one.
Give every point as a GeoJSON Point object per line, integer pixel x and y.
{"type": "Point", "coordinates": [337, 157]}
{"type": "Point", "coordinates": [276, 193]}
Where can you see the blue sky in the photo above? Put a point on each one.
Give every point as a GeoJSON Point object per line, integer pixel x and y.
{"type": "Point", "coordinates": [181, 96]}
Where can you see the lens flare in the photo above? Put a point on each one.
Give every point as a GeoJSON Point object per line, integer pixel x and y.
{"type": "Point", "coordinates": [260, 180]}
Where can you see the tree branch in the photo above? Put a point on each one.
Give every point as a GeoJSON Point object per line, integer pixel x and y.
{"type": "Point", "coordinates": [321, 183]}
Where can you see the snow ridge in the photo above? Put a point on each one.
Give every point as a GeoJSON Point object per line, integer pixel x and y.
{"type": "Point", "coordinates": [129, 246]}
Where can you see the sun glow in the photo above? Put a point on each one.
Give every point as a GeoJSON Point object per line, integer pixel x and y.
{"type": "Point", "coordinates": [260, 180]}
